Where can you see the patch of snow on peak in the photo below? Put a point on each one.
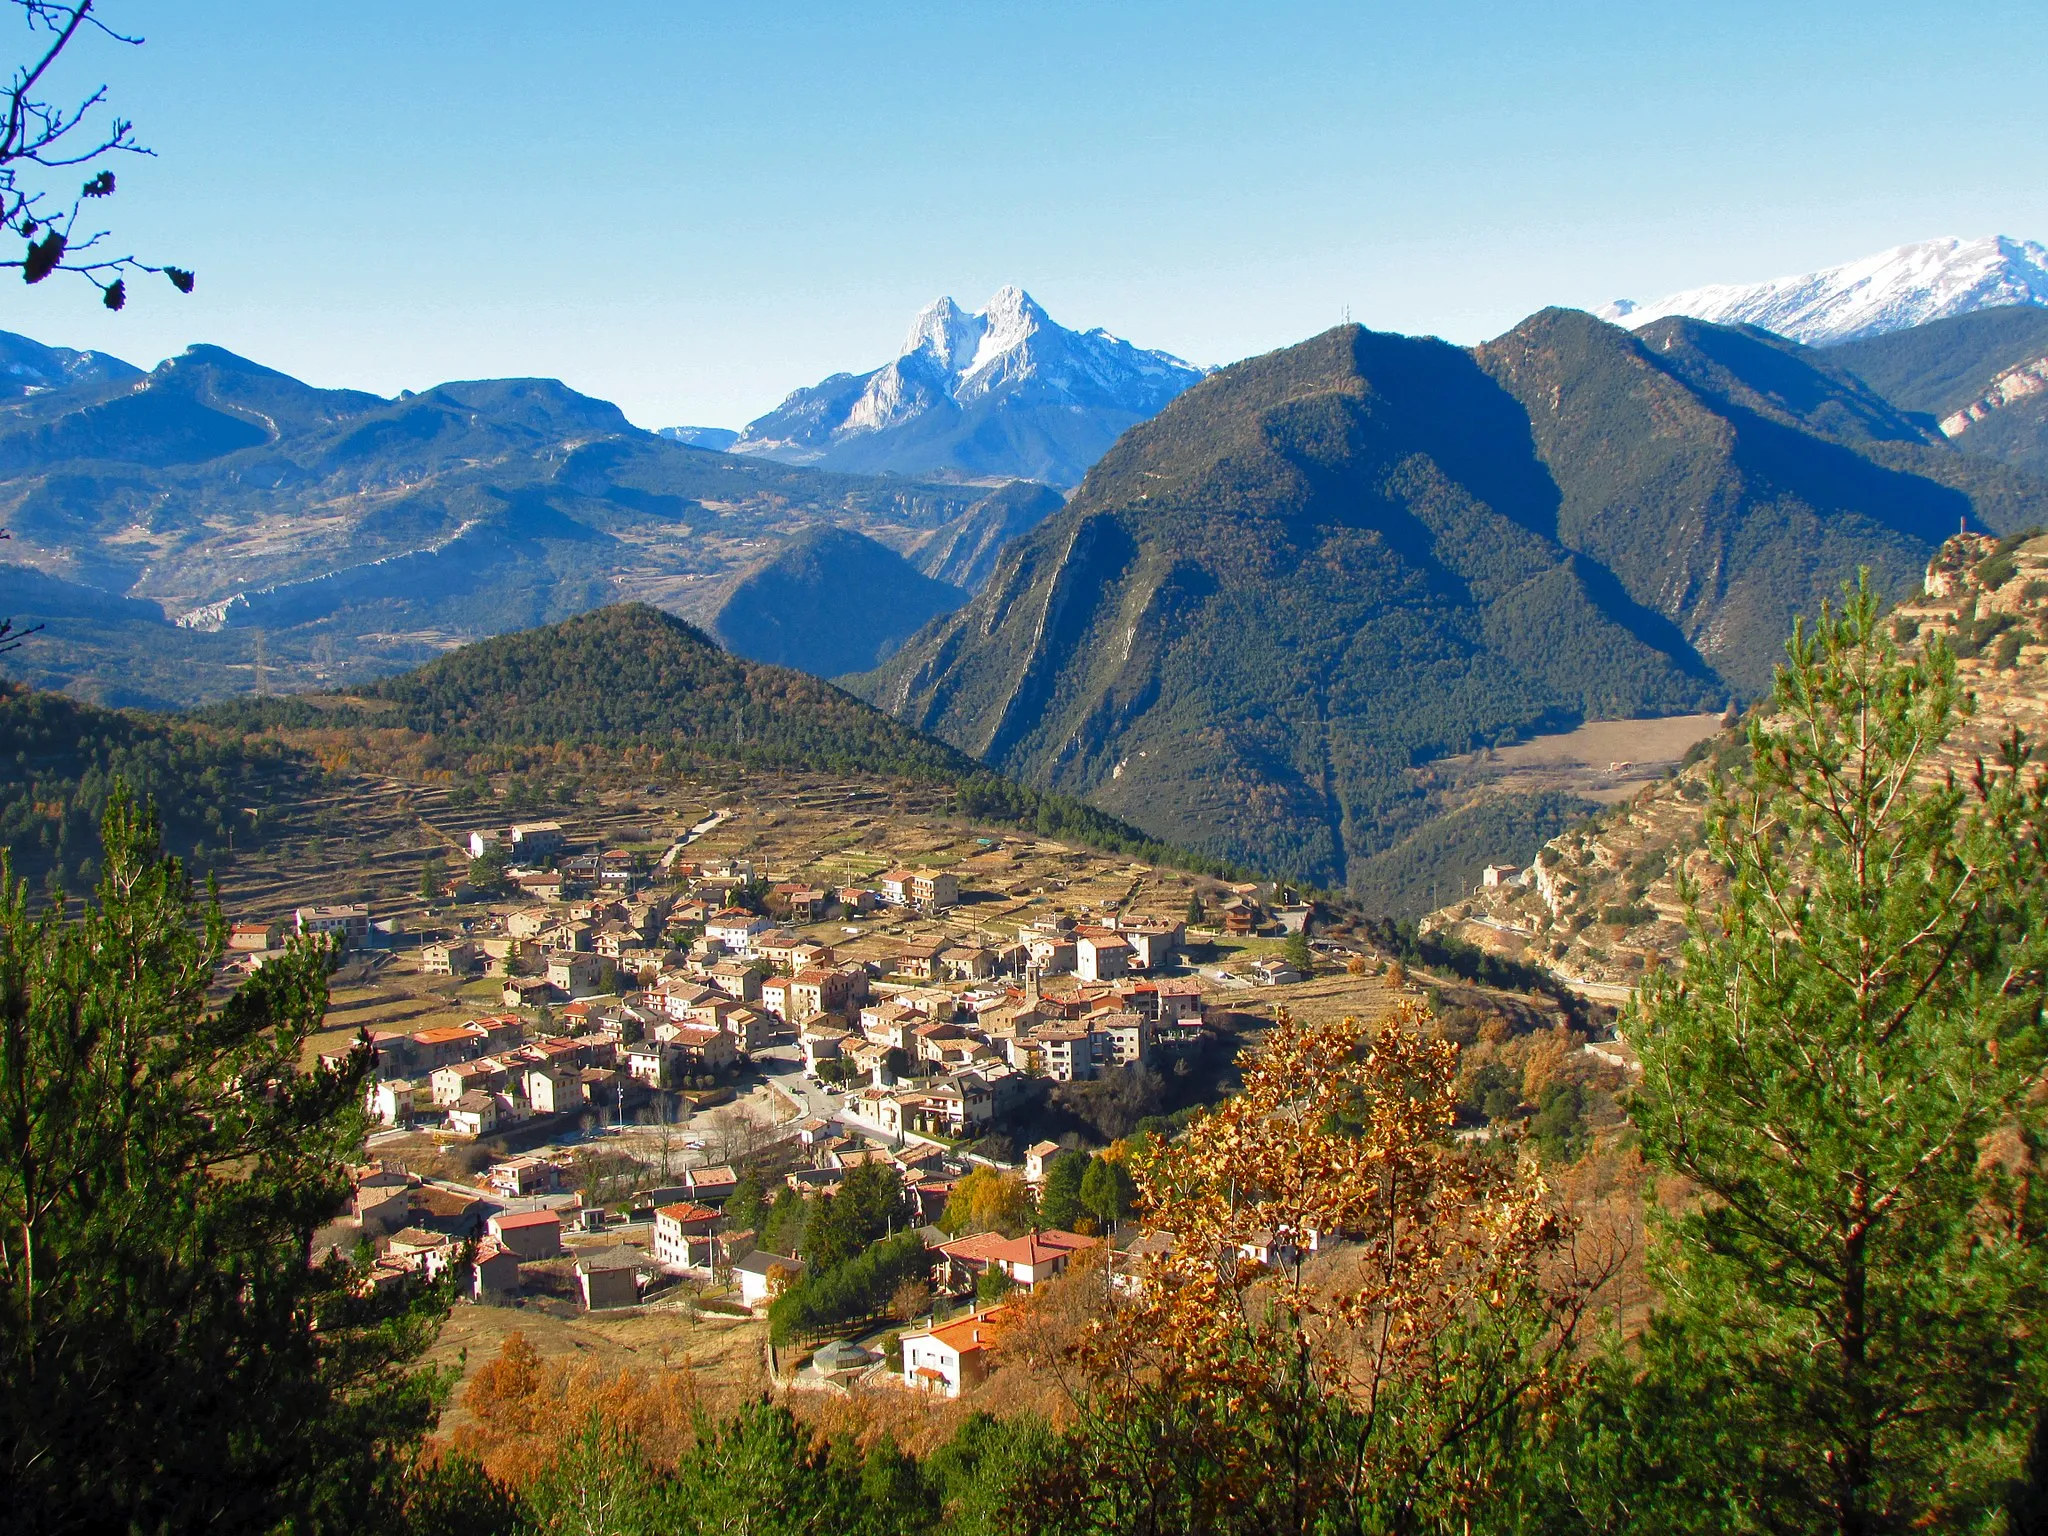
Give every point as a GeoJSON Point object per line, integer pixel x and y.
{"type": "Point", "coordinates": [946, 333]}
{"type": "Point", "coordinates": [1905, 286]}
{"type": "Point", "coordinates": [1012, 317]}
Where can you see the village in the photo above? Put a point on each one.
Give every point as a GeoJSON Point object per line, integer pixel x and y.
{"type": "Point", "coordinates": [665, 1039]}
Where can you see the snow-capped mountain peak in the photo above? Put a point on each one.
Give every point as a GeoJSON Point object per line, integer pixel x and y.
{"type": "Point", "coordinates": [1905, 286]}
{"type": "Point", "coordinates": [961, 343]}
{"type": "Point", "coordinates": [944, 332]}
{"type": "Point", "coordinates": [1008, 357]}
{"type": "Point", "coordinates": [1010, 319]}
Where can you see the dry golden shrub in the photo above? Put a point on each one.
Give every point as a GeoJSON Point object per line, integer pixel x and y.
{"type": "Point", "coordinates": [524, 1409]}
{"type": "Point", "coordinates": [1549, 1059]}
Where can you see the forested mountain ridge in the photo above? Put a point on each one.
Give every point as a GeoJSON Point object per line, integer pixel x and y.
{"type": "Point", "coordinates": [63, 757]}
{"type": "Point", "coordinates": [1263, 606]}
{"type": "Point", "coordinates": [1318, 569]}
{"type": "Point", "coordinates": [643, 692]}
{"type": "Point", "coordinates": [1752, 371]}
{"type": "Point", "coordinates": [633, 674]}
{"type": "Point", "coordinates": [1980, 379]}
{"type": "Point", "coordinates": [1727, 519]}
{"type": "Point", "coordinates": [1940, 367]}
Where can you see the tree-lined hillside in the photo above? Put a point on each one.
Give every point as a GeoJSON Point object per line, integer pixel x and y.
{"type": "Point", "coordinates": [632, 673]}
{"type": "Point", "coordinates": [630, 683]}
{"type": "Point", "coordinates": [1976, 376]}
{"type": "Point", "coordinates": [62, 759]}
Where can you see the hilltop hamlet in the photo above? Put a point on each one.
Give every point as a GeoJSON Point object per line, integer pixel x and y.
{"type": "Point", "coordinates": [1600, 905]}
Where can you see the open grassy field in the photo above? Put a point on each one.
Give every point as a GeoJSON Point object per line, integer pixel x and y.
{"type": "Point", "coordinates": [1604, 760]}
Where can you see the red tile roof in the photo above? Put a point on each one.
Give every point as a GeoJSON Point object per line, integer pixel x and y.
{"type": "Point", "coordinates": [687, 1214]}
{"type": "Point", "coordinates": [1039, 1247]}
{"type": "Point", "coordinates": [510, 1221]}
{"type": "Point", "coordinates": [969, 1333]}
{"type": "Point", "coordinates": [978, 1248]}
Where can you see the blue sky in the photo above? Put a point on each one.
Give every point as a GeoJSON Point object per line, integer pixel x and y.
{"type": "Point", "coordinates": [691, 209]}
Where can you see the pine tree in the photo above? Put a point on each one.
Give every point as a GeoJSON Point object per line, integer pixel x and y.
{"type": "Point", "coordinates": [747, 1207]}
{"type": "Point", "coordinates": [1108, 1191]}
{"type": "Point", "coordinates": [1059, 1203]}
{"type": "Point", "coordinates": [173, 1359]}
{"type": "Point", "coordinates": [1298, 954]}
{"type": "Point", "coordinates": [1845, 1072]}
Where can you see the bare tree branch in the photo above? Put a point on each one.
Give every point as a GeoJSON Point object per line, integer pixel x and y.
{"type": "Point", "coordinates": [39, 136]}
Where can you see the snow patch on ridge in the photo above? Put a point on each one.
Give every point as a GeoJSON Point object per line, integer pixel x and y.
{"type": "Point", "coordinates": [1905, 286]}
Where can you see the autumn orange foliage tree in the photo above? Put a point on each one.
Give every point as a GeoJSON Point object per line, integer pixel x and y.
{"type": "Point", "coordinates": [1248, 1382]}
{"type": "Point", "coordinates": [987, 1201]}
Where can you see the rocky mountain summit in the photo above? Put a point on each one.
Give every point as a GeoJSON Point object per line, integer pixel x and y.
{"type": "Point", "coordinates": [1004, 392]}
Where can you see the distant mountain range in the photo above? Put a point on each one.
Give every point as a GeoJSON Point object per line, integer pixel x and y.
{"type": "Point", "coordinates": [1267, 610]}
{"type": "Point", "coordinates": [1003, 393]}
{"type": "Point", "coordinates": [1265, 613]}
{"type": "Point", "coordinates": [1907, 285]}
{"type": "Point", "coordinates": [30, 368]}
{"type": "Point", "coordinates": [214, 525]}
{"type": "Point", "coordinates": [718, 438]}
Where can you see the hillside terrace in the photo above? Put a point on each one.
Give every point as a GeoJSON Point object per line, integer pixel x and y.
{"type": "Point", "coordinates": [1600, 904]}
